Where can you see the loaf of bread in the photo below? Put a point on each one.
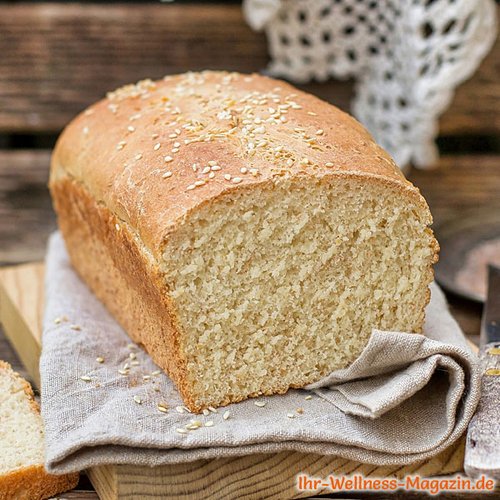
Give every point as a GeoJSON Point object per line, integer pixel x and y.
{"type": "Point", "coordinates": [248, 235]}
{"type": "Point", "coordinates": [22, 473]}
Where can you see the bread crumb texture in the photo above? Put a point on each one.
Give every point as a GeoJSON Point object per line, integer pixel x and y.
{"type": "Point", "coordinates": [22, 473]}
{"type": "Point", "coordinates": [277, 287]}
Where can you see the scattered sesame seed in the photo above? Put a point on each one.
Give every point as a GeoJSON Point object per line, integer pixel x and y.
{"type": "Point", "coordinates": [138, 156]}
{"type": "Point", "coordinates": [209, 423]}
{"type": "Point", "coordinates": [305, 161]}
{"type": "Point", "coordinates": [131, 346]}
{"type": "Point", "coordinates": [307, 398]}
{"type": "Point", "coordinates": [212, 409]}
{"type": "Point", "coordinates": [190, 187]}
{"type": "Point", "coordinates": [85, 130]}
{"type": "Point", "coordinates": [215, 167]}
{"type": "Point", "coordinates": [237, 180]}
{"type": "Point", "coordinates": [155, 373]}
{"type": "Point", "coordinates": [179, 409]}
{"type": "Point", "coordinates": [226, 415]}
{"type": "Point", "coordinates": [157, 146]}
{"type": "Point", "coordinates": [99, 359]}
{"type": "Point", "coordinates": [177, 144]}
{"type": "Point", "coordinates": [175, 150]}
{"type": "Point", "coordinates": [85, 378]}
{"type": "Point", "coordinates": [155, 136]}
{"type": "Point", "coordinates": [312, 113]}
{"type": "Point", "coordinates": [243, 170]}
{"type": "Point", "coordinates": [212, 163]}
{"type": "Point", "coordinates": [168, 159]}
{"type": "Point", "coordinates": [138, 400]}
{"type": "Point", "coordinates": [260, 404]}
{"type": "Point", "coordinates": [146, 377]}
{"type": "Point", "coordinates": [181, 431]}
{"type": "Point", "coordinates": [300, 411]}
{"type": "Point", "coordinates": [117, 227]}
{"type": "Point", "coordinates": [227, 177]}
{"type": "Point", "coordinates": [329, 164]}
{"type": "Point", "coordinates": [123, 372]}
{"type": "Point", "coordinates": [254, 171]}
{"type": "Point", "coordinates": [135, 363]}
{"type": "Point", "coordinates": [290, 415]}
{"type": "Point", "coordinates": [76, 327]}
{"type": "Point", "coordinates": [320, 132]}
{"type": "Point", "coordinates": [172, 136]}
{"type": "Point", "coordinates": [162, 407]}
{"type": "Point", "coordinates": [211, 175]}
{"type": "Point", "coordinates": [130, 128]}
{"type": "Point", "coordinates": [206, 412]}
{"type": "Point", "coordinates": [206, 170]}
{"type": "Point", "coordinates": [167, 174]}
{"type": "Point", "coordinates": [132, 355]}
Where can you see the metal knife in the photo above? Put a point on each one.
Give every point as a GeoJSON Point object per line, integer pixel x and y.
{"type": "Point", "coordinates": [482, 449]}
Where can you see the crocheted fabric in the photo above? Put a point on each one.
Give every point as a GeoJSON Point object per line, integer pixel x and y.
{"type": "Point", "coordinates": [407, 57]}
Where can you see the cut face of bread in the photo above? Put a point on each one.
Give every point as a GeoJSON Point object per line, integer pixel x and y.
{"type": "Point", "coordinates": [277, 286]}
{"type": "Point", "coordinates": [22, 474]}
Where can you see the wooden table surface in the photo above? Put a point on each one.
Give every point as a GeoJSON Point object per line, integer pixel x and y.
{"type": "Point", "coordinates": [57, 58]}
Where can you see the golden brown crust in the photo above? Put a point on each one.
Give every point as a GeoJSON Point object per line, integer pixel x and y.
{"type": "Point", "coordinates": [32, 482]}
{"type": "Point", "coordinates": [112, 264]}
{"type": "Point", "coordinates": [113, 146]}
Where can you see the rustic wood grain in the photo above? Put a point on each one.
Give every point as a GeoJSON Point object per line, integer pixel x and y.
{"type": "Point", "coordinates": [257, 476]}
{"type": "Point", "coordinates": [21, 288]}
{"type": "Point", "coordinates": [26, 216]}
{"type": "Point", "coordinates": [78, 495]}
{"type": "Point", "coordinates": [57, 59]}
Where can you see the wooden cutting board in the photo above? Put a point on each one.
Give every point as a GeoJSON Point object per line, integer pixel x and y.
{"type": "Point", "coordinates": [260, 476]}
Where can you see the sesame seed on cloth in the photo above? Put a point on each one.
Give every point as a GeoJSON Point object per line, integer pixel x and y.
{"type": "Point", "coordinates": [405, 399]}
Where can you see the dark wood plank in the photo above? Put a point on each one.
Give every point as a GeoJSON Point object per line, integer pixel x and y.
{"type": "Point", "coordinates": [59, 58]}
{"type": "Point", "coordinates": [460, 184]}
{"type": "Point", "coordinates": [78, 495]}
{"type": "Point", "coordinates": [26, 216]}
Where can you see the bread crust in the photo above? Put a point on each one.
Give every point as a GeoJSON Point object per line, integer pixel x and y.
{"type": "Point", "coordinates": [116, 211]}
{"type": "Point", "coordinates": [32, 482]}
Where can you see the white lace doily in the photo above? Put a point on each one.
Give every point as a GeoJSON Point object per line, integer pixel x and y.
{"type": "Point", "coordinates": [407, 57]}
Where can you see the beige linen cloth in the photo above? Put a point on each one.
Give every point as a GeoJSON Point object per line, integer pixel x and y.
{"type": "Point", "coordinates": [405, 399]}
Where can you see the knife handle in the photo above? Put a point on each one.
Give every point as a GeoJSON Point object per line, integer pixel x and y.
{"type": "Point", "coordinates": [482, 450]}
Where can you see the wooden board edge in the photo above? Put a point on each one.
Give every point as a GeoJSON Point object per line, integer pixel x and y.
{"type": "Point", "coordinates": [18, 332]}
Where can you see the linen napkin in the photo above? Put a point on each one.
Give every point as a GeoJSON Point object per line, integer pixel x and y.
{"type": "Point", "coordinates": [405, 399]}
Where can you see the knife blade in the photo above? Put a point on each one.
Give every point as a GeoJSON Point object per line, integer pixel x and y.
{"type": "Point", "coordinates": [482, 449]}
